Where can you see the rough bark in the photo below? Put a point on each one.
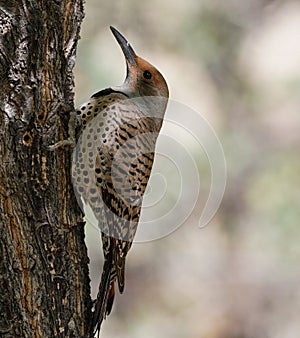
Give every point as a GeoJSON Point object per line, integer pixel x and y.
{"type": "Point", "coordinates": [44, 279]}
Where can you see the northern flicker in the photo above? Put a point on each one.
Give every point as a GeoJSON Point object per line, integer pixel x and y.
{"type": "Point", "coordinates": [113, 160]}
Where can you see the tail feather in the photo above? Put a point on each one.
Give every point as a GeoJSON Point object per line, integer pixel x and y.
{"type": "Point", "coordinates": [113, 269]}
{"type": "Point", "coordinates": [120, 270]}
{"type": "Point", "coordinates": [110, 298]}
{"type": "Point", "coordinates": [105, 296]}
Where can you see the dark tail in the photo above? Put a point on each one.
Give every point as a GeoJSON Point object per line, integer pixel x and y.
{"type": "Point", "coordinates": [105, 297]}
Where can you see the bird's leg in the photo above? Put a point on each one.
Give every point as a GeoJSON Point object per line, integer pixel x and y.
{"type": "Point", "coordinates": [70, 141]}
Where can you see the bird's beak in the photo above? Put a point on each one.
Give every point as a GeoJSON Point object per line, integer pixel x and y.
{"type": "Point", "coordinates": [128, 52]}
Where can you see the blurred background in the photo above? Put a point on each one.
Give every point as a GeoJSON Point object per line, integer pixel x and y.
{"type": "Point", "coordinates": [236, 62]}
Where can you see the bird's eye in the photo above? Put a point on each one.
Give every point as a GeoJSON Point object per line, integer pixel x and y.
{"type": "Point", "coordinates": [147, 75]}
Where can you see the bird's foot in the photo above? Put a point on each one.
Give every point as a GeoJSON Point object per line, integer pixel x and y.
{"type": "Point", "coordinates": [70, 142]}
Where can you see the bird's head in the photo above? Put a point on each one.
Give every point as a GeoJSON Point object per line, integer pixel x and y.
{"type": "Point", "coordinates": [142, 78]}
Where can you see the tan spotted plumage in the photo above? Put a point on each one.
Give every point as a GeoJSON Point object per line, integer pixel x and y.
{"type": "Point", "coordinates": [112, 164]}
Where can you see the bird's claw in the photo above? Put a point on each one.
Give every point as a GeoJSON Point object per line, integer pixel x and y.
{"type": "Point", "coordinates": [65, 143]}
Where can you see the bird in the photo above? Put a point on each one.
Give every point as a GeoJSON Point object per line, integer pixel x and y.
{"type": "Point", "coordinates": [112, 163]}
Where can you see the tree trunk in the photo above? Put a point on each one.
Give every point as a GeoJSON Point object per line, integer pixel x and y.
{"type": "Point", "coordinates": [44, 279]}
